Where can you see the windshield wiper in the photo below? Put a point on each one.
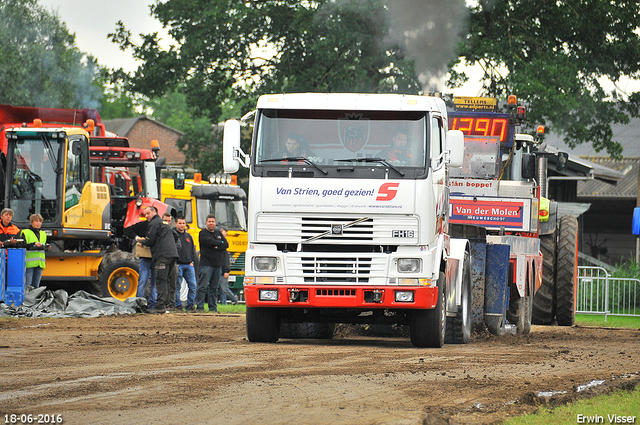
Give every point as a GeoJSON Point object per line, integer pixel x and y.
{"type": "Point", "coordinates": [296, 158]}
{"type": "Point", "coordinates": [51, 154]}
{"type": "Point", "coordinates": [376, 159]}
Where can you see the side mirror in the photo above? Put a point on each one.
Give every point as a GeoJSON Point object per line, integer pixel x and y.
{"type": "Point", "coordinates": [528, 166]}
{"type": "Point", "coordinates": [230, 145]}
{"type": "Point", "coordinates": [76, 147]}
{"type": "Point", "coordinates": [455, 146]}
{"type": "Point", "coordinates": [178, 180]}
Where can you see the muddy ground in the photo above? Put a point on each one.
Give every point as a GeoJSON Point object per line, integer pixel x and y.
{"type": "Point", "coordinates": [199, 368]}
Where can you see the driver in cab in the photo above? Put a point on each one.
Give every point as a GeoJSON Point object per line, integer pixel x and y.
{"type": "Point", "coordinates": [398, 153]}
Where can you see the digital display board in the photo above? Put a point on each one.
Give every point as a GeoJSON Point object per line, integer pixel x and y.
{"type": "Point", "coordinates": [483, 124]}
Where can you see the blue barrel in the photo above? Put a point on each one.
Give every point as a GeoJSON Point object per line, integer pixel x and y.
{"type": "Point", "coordinates": [3, 274]}
{"type": "Point", "coordinates": [16, 267]}
{"type": "Point", "coordinates": [496, 293]}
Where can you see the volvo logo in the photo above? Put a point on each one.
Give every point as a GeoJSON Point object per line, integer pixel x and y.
{"type": "Point", "coordinates": [336, 229]}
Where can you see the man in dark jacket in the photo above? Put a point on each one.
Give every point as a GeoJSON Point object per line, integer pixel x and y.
{"type": "Point", "coordinates": [160, 238]}
{"type": "Point", "coordinates": [186, 263]}
{"type": "Point", "coordinates": [212, 247]}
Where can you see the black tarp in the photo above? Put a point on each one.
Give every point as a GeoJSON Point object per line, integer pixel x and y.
{"type": "Point", "coordinates": [41, 302]}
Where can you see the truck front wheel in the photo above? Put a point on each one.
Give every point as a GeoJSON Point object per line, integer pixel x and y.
{"type": "Point", "coordinates": [263, 324]}
{"type": "Point", "coordinates": [428, 326]}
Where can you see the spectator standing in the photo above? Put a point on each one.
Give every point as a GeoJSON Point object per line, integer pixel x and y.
{"type": "Point", "coordinates": [186, 261]}
{"type": "Point", "coordinates": [147, 266]}
{"type": "Point", "coordinates": [35, 241]}
{"type": "Point", "coordinates": [173, 274]}
{"type": "Point", "coordinates": [224, 291]}
{"type": "Point", "coordinates": [8, 230]}
{"type": "Point", "coordinates": [163, 251]}
{"type": "Point", "coordinates": [212, 247]}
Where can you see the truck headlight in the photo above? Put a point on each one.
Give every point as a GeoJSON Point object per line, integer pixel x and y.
{"type": "Point", "coordinates": [404, 296]}
{"type": "Point", "coordinates": [408, 265]}
{"type": "Point", "coordinates": [265, 264]}
{"type": "Point", "coordinates": [268, 295]}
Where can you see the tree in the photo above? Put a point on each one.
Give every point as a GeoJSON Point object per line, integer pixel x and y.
{"type": "Point", "coordinates": [232, 51]}
{"type": "Point", "coordinates": [39, 62]}
{"type": "Point", "coordinates": [554, 54]}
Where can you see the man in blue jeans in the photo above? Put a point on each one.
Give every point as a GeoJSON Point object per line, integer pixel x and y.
{"type": "Point", "coordinates": [147, 267]}
{"type": "Point", "coordinates": [212, 247]}
{"type": "Point", "coordinates": [186, 260]}
{"type": "Point", "coordinates": [147, 275]}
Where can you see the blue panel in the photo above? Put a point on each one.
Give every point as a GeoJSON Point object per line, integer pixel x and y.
{"type": "Point", "coordinates": [478, 260]}
{"type": "Point", "coordinates": [16, 266]}
{"type": "Point", "coordinates": [636, 221]}
{"type": "Point", "coordinates": [3, 274]}
{"type": "Point", "coordinates": [496, 294]}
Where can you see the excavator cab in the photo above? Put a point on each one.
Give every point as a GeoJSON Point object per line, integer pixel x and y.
{"type": "Point", "coordinates": [48, 173]}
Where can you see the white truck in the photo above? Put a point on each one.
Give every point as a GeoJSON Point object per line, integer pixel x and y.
{"type": "Point", "coordinates": [348, 216]}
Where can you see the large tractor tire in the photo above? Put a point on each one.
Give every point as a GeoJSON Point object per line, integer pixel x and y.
{"type": "Point", "coordinates": [458, 330]}
{"type": "Point", "coordinates": [307, 330]}
{"type": "Point", "coordinates": [545, 298]}
{"type": "Point", "coordinates": [567, 271]}
{"type": "Point", "coordinates": [118, 275]}
{"type": "Point", "coordinates": [263, 324]}
{"type": "Point", "coordinates": [428, 327]}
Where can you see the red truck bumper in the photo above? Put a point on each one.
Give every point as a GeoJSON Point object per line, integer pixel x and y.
{"type": "Point", "coordinates": [424, 297]}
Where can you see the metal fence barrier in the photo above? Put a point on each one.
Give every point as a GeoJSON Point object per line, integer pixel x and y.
{"type": "Point", "coordinates": [600, 293]}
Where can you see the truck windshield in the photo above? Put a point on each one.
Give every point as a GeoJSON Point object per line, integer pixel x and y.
{"type": "Point", "coordinates": [35, 174]}
{"type": "Point", "coordinates": [229, 214]}
{"type": "Point", "coordinates": [331, 139]}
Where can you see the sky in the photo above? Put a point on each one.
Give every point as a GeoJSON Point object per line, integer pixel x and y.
{"type": "Point", "coordinates": [93, 20]}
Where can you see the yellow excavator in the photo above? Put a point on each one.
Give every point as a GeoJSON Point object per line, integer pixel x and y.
{"type": "Point", "coordinates": [48, 171]}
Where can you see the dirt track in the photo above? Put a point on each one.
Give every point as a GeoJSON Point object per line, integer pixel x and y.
{"type": "Point", "coordinates": [187, 368]}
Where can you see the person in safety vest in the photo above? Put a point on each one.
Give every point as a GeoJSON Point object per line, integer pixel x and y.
{"type": "Point", "coordinates": [35, 241]}
{"type": "Point", "coordinates": [8, 230]}
{"type": "Point", "coordinates": [398, 153]}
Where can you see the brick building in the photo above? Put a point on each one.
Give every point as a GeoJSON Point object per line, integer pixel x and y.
{"type": "Point", "coordinates": [142, 130]}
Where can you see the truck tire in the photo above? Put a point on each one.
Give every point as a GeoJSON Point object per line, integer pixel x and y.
{"type": "Point", "coordinates": [307, 330]}
{"type": "Point", "coordinates": [263, 324]}
{"type": "Point", "coordinates": [528, 301]}
{"type": "Point", "coordinates": [459, 327]}
{"type": "Point", "coordinates": [428, 327]}
{"type": "Point", "coordinates": [516, 314]}
{"type": "Point", "coordinates": [544, 299]}
{"type": "Point", "coordinates": [118, 275]}
{"type": "Point", "coordinates": [567, 271]}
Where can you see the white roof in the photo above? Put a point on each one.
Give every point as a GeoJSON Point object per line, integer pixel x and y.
{"type": "Point", "coordinates": [351, 101]}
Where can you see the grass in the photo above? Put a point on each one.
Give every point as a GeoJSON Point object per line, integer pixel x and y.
{"type": "Point", "coordinates": [612, 322]}
{"type": "Point", "coordinates": [621, 403]}
{"type": "Point", "coordinates": [229, 308]}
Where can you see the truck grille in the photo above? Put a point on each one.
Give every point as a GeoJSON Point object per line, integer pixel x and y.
{"type": "Point", "coordinates": [336, 268]}
{"type": "Point", "coordinates": [292, 228]}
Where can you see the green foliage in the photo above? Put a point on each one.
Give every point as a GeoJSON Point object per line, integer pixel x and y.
{"type": "Point", "coordinates": [229, 52]}
{"type": "Point", "coordinates": [554, 54]}
{"type": "Point", "coordinates": [39, 62]}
